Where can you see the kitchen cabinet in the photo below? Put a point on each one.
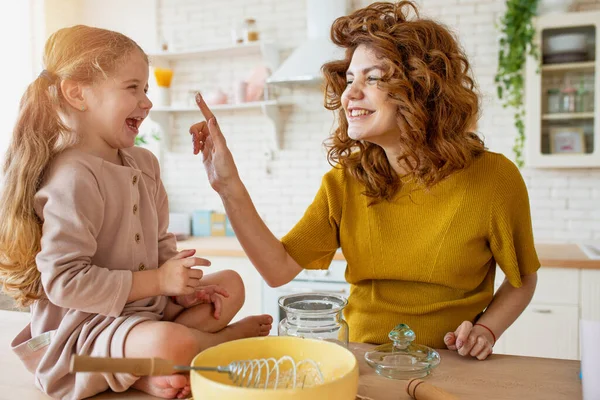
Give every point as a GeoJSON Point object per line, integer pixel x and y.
{"type": "Point", "coordinates": [251, 278]}
{"type": "Point", "coordinates": [590, 295]}
{"type": "Point", "coordinates": [166, 116]}
{"type": "Point", "coordinates": [549, 326]}
{"type": "Point", "coordinates": [549, 331]}
{"type": "Point", "coordinates": [561, 109]}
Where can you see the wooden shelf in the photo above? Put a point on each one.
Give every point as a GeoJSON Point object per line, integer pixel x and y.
{"type": "Point", "coordinates": [270, 108]}
{"type": "Point", "coordinates": [567, 116]}
{"type": "Point", "coordinates": [576, 66]}
{"type": "Point", "coordinates": [268, 51]}
{"type": "Point", "coordinates": [219, 107]}
{"type": "Point", "coordinates": [237, 49]}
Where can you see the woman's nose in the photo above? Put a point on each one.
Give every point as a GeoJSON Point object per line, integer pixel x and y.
{"type": "Point", "coordinates": [354, 91]}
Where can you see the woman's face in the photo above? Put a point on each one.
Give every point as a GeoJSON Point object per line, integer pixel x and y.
{"type": "Point", "coordinates": [371, 116]}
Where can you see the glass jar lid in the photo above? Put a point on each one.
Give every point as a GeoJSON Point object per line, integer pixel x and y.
{"type": "Point", "coordinates": [312, 303]}
{"type": "Point", "coordinates": [402, 359]}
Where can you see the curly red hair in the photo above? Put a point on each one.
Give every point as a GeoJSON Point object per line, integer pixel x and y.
{"type": "Point", "coordinates": [427, 75]}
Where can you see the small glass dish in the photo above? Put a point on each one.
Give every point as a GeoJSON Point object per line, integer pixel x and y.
{"type": "Point", "coordinates": [402, 359]}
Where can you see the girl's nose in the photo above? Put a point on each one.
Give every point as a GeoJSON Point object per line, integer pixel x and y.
{"type": "Point", "coordinates": [146, 103]}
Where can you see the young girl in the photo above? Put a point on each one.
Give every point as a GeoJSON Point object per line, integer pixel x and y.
{"type": "Point", "coordinates": [84, 239]}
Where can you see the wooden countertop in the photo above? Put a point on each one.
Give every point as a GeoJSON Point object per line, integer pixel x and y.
{"type": "Point", "coordinates": [500, 377]}
{"type": "Point", "coordinates": [550, 255]}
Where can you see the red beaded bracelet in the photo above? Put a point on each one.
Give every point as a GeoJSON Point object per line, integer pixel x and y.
{"type": "Point", "coordinates": [482, 325]}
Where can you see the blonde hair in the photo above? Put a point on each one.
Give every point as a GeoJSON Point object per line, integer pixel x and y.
{"type": "Point", "coordinates": [80, 53]}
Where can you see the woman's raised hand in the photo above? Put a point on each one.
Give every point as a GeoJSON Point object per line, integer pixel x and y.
{"type": "Point", "coordinates": [208, 140]}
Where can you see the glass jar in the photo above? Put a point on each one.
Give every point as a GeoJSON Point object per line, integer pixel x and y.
{"type": "Point", "coordinates": [250, 30]}
{"type": "Point", "coordinates": [314, 316]}
{"type": "Point", "coordinates": [568, 99]}
{"type": "Point", "coordinates": [553, 101]}
{"type": "Point", "coordinates": [584, 102]}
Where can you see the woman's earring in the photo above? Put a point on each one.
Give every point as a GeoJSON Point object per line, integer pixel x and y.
{"type": "Point", "coordinates": [82, 108]}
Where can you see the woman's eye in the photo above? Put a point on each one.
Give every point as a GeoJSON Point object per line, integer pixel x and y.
{"type": "Point", "coordinates": [133, 87]}
{"type": "Point", "coordinates": [373, 79]}
{"type": "Point", "coordinates": [349, 82]}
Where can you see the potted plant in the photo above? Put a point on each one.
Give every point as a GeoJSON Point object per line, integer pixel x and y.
{"type": "Point", "coordinates": [149, 137]}
{"type": "Point", "coordinates": [516, 42]}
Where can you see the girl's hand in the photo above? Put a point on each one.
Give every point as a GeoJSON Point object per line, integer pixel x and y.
{"type": "Point", "coordinates": [205, 295]}
{"type": "Point", "coordinates": [208, 139]}
{"type": "Point", "coordinates": [176, 276]}
{"type": "Point", "coordinates": [475, 341]}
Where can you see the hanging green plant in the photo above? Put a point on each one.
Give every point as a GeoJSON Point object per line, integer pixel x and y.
{"type": "Point", "coordinates": [141, 138]}
{"type": "Point", "coordinates": [516, 41]}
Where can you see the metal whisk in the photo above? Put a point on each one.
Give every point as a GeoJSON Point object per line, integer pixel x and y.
{"type": "Point", "coordinates": [268, 372]}
{"type": "Point", "coordinates": [264, 373]}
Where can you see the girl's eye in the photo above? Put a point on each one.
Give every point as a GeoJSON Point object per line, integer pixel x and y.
{"type": "Point", "coordinates": [133, 87]}
{"type": "Point", "coordinates": [349, 82]}
{"type": "Point", "coordinates": [373, 79]}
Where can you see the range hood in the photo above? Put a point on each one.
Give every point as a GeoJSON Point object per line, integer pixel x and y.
{"type": "Point", "coordinates": [305, 62]}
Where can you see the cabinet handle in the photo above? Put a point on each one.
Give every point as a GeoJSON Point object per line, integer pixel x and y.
{"type": "Point", "coordinates": [542, 311]}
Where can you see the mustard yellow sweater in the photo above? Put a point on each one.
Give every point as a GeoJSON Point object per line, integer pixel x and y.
{"type": "Point", "coordinates": [426, 259]}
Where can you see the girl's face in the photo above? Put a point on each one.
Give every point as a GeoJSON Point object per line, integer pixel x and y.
{"type": "Point", "coordinates": [117, 105]}
{"type": "Point", "coordinates": [371, 116]}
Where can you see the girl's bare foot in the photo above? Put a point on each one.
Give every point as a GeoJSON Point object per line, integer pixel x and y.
{"type": "Point", "coordinates": [168, 387]}
{"type": "Point", "coordinates": [255, 325]}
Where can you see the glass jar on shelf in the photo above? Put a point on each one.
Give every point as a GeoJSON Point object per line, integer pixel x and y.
{"type": "Point", "coordinates": [314, 316]}
{"type": "Point", "coordinates": [250, 30]}
{"type": "Point", "coordinates": [584, 100]}
{"type": "Point", "coordinates": [553, 101]}
{"type": "Point", "coordinates": [568, 94]}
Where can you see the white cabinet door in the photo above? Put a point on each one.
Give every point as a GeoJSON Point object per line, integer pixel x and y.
{"type": "Point", "coordinates": [558, 286]}
{"type": "Point", "coordinates": [251, 278]}
{"type": "Point", "coordinates": [590, 294]}
{"type": "Point", "coordinates": [549, 326]}
{"type": "Point", "coordinates": [550, 331]}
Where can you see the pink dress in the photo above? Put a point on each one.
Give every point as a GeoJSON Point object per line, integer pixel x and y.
{"type": "Point", "coordinates": [101, 222]}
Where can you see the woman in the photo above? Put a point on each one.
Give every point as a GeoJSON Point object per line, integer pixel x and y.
{"type": "Point", "coordinates": [421, 211]}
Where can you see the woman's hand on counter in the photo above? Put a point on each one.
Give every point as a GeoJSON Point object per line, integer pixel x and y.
{"type": "Point", "coordinates": [470, 340]}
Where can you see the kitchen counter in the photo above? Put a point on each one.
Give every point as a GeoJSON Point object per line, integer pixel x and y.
{"type": "Point", "coordinates": [550, 255]}
{"type": "Point", "coordinates": [500, 377]}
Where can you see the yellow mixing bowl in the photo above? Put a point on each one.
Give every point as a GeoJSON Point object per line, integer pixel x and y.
{"type": "Point", "coordinates": [338, 365]}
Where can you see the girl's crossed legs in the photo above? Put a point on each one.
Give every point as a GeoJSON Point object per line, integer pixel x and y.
{"type": "Point", "coordinates": [191, 331]}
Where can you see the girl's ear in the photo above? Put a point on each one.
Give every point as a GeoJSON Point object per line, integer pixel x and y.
{"type": "Point", "coordinates": [73, 92]}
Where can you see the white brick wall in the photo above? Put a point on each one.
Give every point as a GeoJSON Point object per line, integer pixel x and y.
{"type": "Point", "coordinates": [565, 203]}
